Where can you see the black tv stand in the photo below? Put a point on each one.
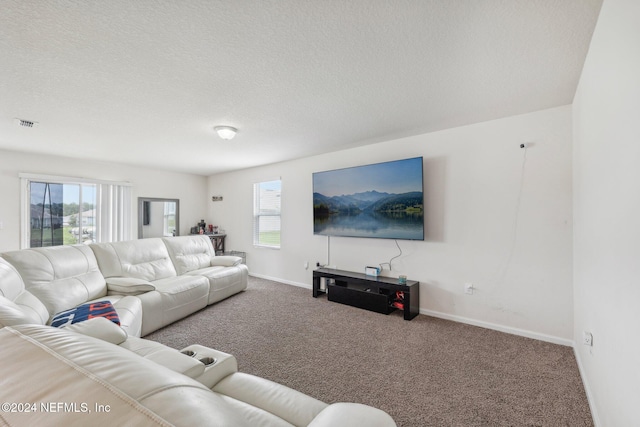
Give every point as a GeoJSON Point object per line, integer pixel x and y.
{"type": "Point", "coordinates": [375, 293]}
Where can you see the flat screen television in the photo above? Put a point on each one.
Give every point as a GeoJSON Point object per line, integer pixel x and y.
{"type": "Point", "coordinates": [382, 200]}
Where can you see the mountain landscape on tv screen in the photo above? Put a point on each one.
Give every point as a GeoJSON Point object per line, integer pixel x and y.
{"type": "Point", "coordinates": [369, 214]}
{"type": "Point", "coordinates": [372, 201]}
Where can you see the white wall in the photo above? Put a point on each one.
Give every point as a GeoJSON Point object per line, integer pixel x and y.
{"type": "Point", "coordinates": [607, 215]}
{"type": "Point", "coordinates": [190, 189]}
{"type": "Point", "coordinates": [520, 261]}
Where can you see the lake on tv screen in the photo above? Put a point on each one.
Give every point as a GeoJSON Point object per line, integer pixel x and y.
{"type": "Point", "coordinates": [396, 225]}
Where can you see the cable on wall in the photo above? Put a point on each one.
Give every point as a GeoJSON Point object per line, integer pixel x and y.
{"type": "Point", "coordinates": [391, 260]}
{"type": "Point", "coordinates": [502, 273]}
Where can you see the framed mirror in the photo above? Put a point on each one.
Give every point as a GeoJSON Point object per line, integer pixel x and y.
{"type": "Point", "coordinates": [158, 217]}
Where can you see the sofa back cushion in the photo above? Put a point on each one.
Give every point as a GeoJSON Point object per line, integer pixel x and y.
{"type": "Point", "coordinates": [189, 253]}
{"type": "Point", "coordinates": [145, 259]}
{"type": "Point", "coordinates": [17, 305]}
{"type": "Point", "coordinates": [61, 277]}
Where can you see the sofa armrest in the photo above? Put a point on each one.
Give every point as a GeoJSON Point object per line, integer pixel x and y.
{"type": "Point", "coordinates": [291, 405]}
{"type": "Point", "coordinates": [352, 415]}
{"type": "Point", "coordinates": [128, 286]}
{"type": "Point", "coordinates": [165, 356]}
{"type": "Point", "coordinates": [101, 328]}
{"type": "Point", "coordinates": [225, 261]}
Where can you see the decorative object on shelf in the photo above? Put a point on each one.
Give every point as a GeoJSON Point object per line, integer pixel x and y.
{"type": "Point", "coordinates": [398, 302]}
{"type": "Point", "coordinates": [402, 279]}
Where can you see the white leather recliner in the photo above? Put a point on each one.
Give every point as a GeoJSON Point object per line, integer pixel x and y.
{"type": "Point", "coordinates": [147, 261]}
{"type": "Point", "coordinates": [194, 256]}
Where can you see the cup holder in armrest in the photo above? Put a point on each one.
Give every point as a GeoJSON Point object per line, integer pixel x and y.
{"type": "Point", "coordinates": [208, 361]}
{"type": "Point", "coordinates": [189, 353]}
{"type": "Point", "coordinates": [215, 365]}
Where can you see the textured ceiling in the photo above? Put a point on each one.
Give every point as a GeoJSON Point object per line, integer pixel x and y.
{"type": "Point", "coordinates": [143, 82]}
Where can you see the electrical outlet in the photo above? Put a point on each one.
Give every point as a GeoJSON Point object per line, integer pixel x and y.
{"type": "Point", "coordinates": [587, 338]}
{"type": "Point", "coordinates": [468, 288]}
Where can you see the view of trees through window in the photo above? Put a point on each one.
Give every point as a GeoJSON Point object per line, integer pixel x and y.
{"type": "Point", "coordinates": [61, 213]}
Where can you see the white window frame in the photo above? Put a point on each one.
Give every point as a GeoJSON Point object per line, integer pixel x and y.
{"type": "Point", "coordinates": [260, 211]}
{"type": "Point", "coordinates": [169, 215]}
{"type": "Point", "coordinates": [113, 206]}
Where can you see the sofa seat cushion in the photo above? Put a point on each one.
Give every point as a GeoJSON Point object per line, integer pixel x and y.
{"type": "Point", "coordinates": [85, 312]}
{"type": "Point", "coordinates": [224, 281]}
{"type": "Point", "coordinates": [82, 369]}
{"type": "Point", "coordinates": [128, 286]}
{"type": "Point", "coordinates": [173, 299]}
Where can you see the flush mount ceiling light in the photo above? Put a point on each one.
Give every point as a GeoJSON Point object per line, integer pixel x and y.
{"type": "Point", "coordinates": [226, 132]}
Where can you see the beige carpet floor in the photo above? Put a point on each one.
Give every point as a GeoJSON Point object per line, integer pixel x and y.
{"type": "Point", "coordinates": [424, 372]}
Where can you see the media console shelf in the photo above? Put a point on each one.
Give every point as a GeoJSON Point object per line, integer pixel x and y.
{"type": "Point", "coordinates": [368, 292]}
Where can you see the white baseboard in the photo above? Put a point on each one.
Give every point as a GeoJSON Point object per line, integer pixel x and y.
{"type": "Point", "coordinates": [496, 327]}
{"type": "Point", "coordinates": [587, 389]}
{"type": "Point", "coordinates": [278, 279]}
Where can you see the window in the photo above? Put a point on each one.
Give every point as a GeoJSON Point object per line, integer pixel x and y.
{"type": "Point", "coordinates": [266, 213]}
{"type": "Point", "coordinates": [169, 219]}
{"type": "Point", "coordinates": [61, 214]}
{"type": "Point", "coordinates": [67, 211]}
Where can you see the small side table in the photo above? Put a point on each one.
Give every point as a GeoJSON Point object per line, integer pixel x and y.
{"type": "Point", "coordinates": [218, 241]}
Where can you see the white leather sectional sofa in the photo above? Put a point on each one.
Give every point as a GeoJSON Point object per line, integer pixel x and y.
{"type": "Point", "coordinates": [150, 282]}
{"type": "Point", "coordinates": [63, 377]}
{"type": "Point", "coordinates": [98, 373]}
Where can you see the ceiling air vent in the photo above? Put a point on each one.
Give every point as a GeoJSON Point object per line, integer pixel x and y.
{"type": "Point", "coordinates": [25, 123]}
